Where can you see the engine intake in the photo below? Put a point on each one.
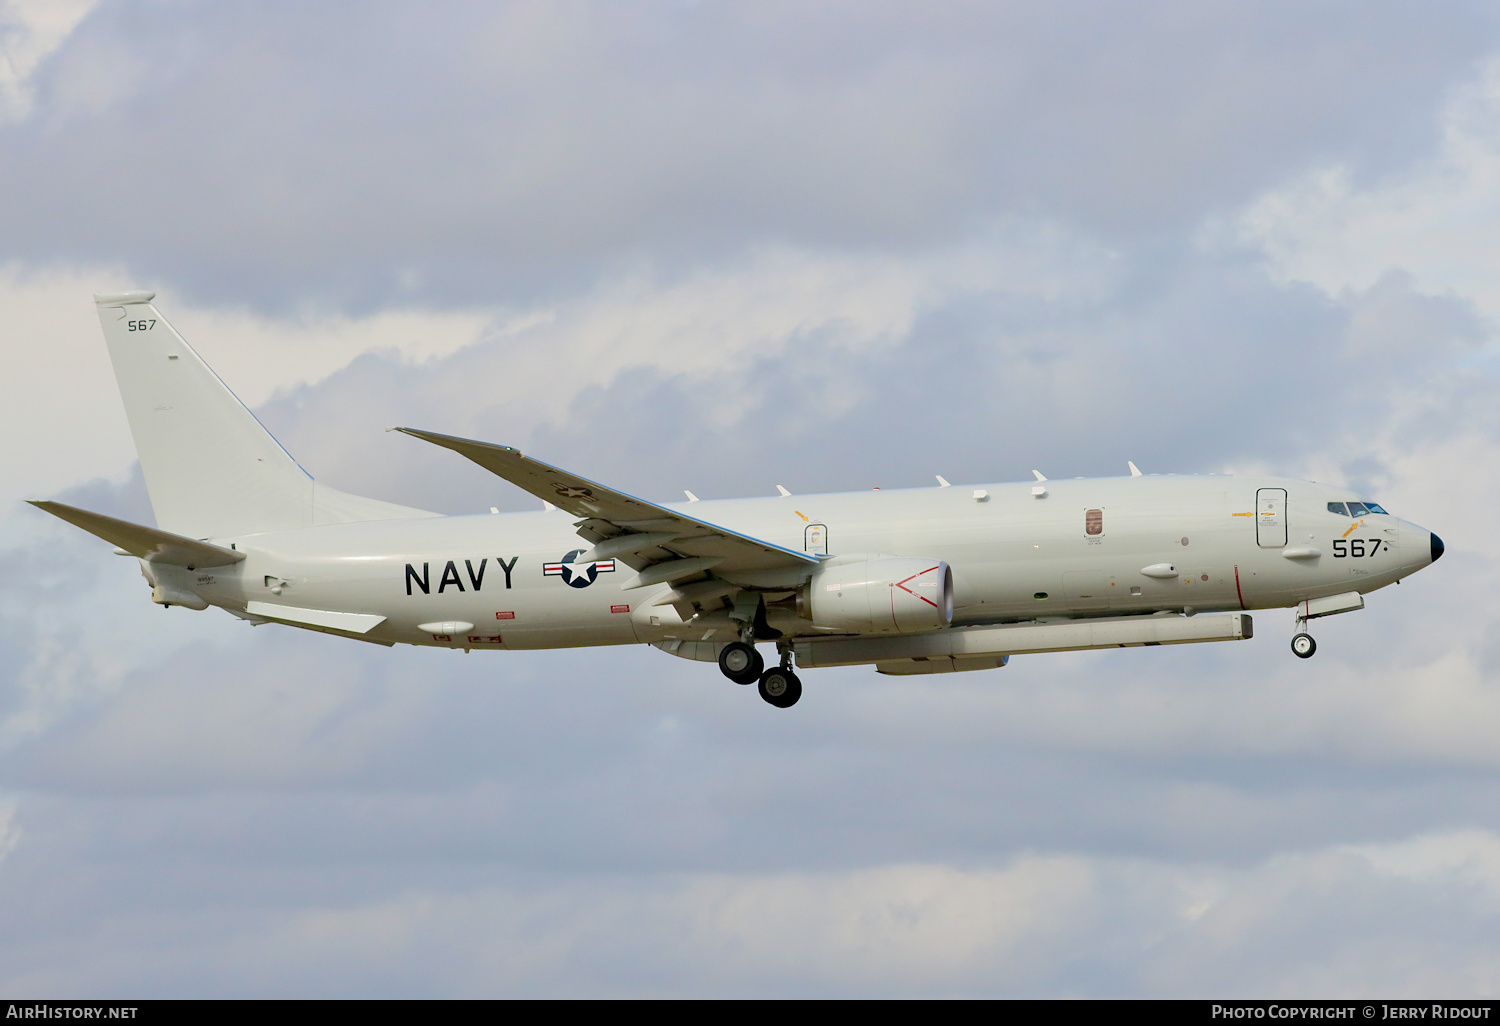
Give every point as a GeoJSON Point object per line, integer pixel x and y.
{"type": "Point", "coordinates": [887, 594]}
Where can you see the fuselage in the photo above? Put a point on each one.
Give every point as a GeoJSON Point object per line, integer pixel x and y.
{"type": "Point", "coordinates": [1018, 552]}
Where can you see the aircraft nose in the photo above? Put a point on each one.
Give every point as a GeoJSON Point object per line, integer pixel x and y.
{"type": "Point", "coordinates": [1437, 548]}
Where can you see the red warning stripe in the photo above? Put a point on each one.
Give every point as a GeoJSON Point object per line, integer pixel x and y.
{"type": "Point", "coordinates": [924, 598]}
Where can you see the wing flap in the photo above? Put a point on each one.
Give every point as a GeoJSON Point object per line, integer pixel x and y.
{"type": "Point", "coordinates": [145, 542]}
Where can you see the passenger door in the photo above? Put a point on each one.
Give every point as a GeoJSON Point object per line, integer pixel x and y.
{"type": "Point", "coordinates": [1270, 518]}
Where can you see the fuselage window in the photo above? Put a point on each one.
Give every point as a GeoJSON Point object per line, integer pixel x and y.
{"type": "Point", "coordinates": [1093, 521]}
{"type": "Point", "coordinates": [1357, 509]}
{"type": "Point", "coordinates": [1338, 507]}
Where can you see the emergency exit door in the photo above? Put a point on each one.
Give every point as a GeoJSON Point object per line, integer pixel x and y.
{"type": "Point", "coordinates": [815, 539]}
{"type": "Point", "coordinates": [1270, 518]}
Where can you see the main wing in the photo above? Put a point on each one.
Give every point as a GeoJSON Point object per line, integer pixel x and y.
{"type": "Point", "coordinates": [661, 544]}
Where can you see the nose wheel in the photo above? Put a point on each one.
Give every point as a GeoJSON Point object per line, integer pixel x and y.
{"type": "Point", "coordinates": [1303, 645]}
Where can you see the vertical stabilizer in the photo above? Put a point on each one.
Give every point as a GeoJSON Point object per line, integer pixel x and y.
{"type": "Point", "coordinates": [212, 470]}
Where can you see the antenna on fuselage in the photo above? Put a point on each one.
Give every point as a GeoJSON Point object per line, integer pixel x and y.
{"type": "Point", "coordinates": [1039, 475]}
{"type": "Point", "coordinates": [1135, 471]}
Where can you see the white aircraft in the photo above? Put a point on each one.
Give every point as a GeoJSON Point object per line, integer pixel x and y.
{"type": "Point", "coordinates": [928, 580]}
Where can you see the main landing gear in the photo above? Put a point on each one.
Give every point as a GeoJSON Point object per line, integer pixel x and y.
{"type": "Point", "coordinates": [779, 685]}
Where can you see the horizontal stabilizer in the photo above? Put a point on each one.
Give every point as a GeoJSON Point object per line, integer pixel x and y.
{"type": "Point", "coordinates": [146, 542]}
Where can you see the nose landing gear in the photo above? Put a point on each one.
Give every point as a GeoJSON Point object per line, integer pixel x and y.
{"type": "Point", "coordinates": [1303, 645]}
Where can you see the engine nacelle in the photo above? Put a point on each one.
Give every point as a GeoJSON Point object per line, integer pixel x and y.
{"type": "Point", "coordinates": [884, 594]}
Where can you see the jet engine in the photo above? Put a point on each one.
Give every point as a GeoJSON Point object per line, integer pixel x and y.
{"type": "Point", "coordinates": [883, 594]}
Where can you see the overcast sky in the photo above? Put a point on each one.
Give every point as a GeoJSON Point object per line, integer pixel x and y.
{"type": "Point", "coordinates": [723, 247]}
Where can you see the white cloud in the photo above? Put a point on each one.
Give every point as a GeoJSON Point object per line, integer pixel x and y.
{"type": "Point", "coordinates": [30, 32]}
{"type": "Point", "coordinates": [709, 326]}
{"type": "Point", "coordinates": [1436, 219]}
{"type": "Point", "coordinates": [1470, 856]}
{"type": "Point", "coordinates": [57, 392]}
{"type": "Point", "coordinates": [10, 831]}
{"type": "Point", "coordinates": [1040, 924]}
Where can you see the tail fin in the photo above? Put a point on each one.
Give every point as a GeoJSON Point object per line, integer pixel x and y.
{"type": "Point", "coordinates": [211, 469]}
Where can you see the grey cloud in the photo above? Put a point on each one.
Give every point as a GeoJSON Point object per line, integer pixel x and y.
{"type": "Point", "coordinates": [481, 153]}
{"type": "Point", "coordinates": [626, 760]}
{"type": "Point", "coordinates": [1185, 366]}
{"type": "Point", "coordinates": [1031, 926]}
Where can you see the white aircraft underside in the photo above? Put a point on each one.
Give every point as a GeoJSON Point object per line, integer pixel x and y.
{"type": "Point", "coordinates": [911, 580]}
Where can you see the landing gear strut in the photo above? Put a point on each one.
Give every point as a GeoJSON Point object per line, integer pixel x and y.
{"type": "Point", "coordinates": [741, 663]}
{"type": "Point", "coordinates": [1303, 645]}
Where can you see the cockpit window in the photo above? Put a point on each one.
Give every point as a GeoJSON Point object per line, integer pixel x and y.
{"type": "Point", "coordinates": [1355, 509]}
